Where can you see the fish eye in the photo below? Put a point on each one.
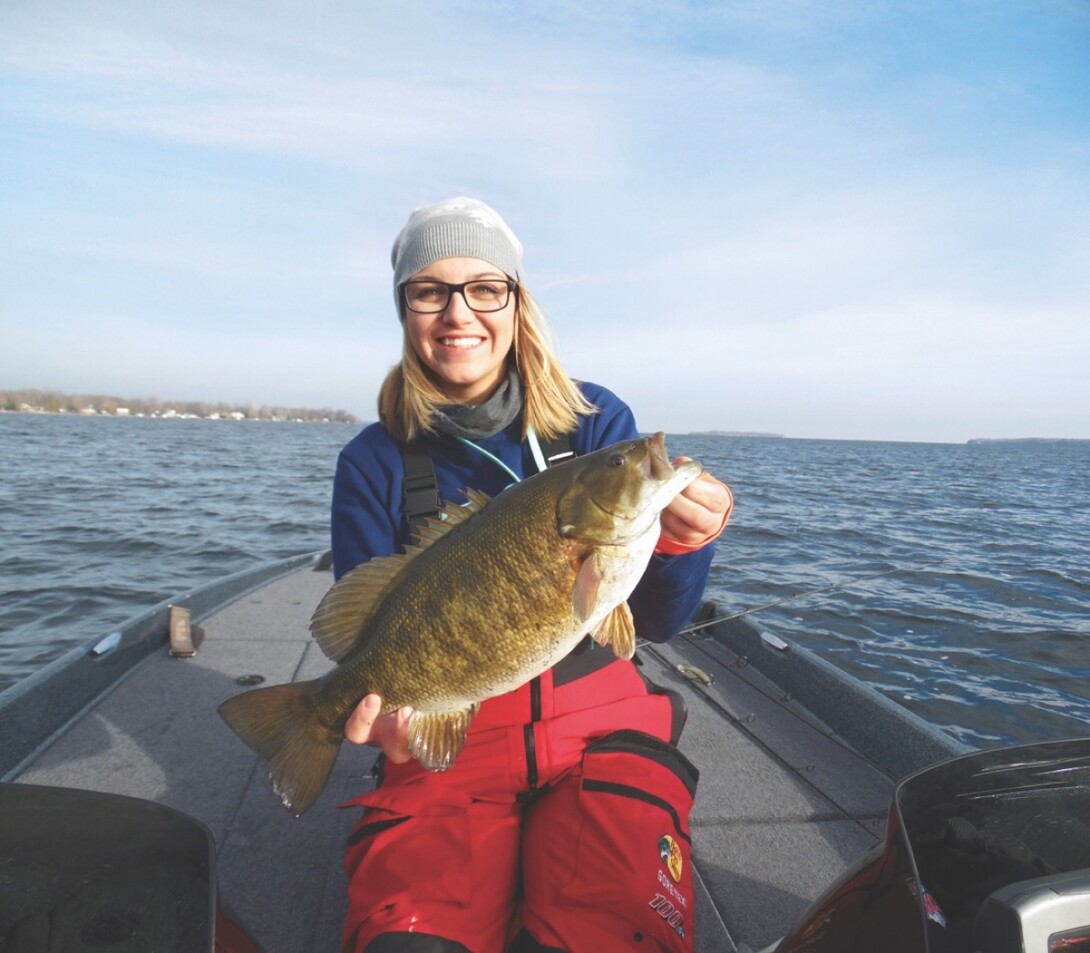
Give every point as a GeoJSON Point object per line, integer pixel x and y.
{"type": "Point", "coordinates": [617, 460]}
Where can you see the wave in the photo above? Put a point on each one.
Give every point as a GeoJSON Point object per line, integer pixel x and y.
{"type": "Point", "coordinates": [953, 579]}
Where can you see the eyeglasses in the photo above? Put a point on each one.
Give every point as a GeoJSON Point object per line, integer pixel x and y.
{"type": "Point", "coordinates": [431, 297]}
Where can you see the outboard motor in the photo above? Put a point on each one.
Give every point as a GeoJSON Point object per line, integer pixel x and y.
{"type": "Point", "coordinates": [85, 871]}
{"type": "Point", "coordinates": [986, 853]}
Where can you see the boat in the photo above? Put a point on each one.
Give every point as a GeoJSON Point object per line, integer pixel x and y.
{"type": "Point", "coordinates": [798, 761]}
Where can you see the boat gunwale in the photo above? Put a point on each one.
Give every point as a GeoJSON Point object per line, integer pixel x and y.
{"type": "Point", "coordinates": [889, 736]}
{"type": "Point", "coordinates": [40, 707]}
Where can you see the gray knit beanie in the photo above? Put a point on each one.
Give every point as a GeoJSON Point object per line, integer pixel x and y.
{"type": "Point", "coordinates": [456, 228]}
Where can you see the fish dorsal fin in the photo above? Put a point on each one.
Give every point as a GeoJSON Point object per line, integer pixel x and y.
{"type": "Point", "coordinates": [339, 624]}
{"type": "Point", "coordinates": [436, 737]}
{"type": "Point", "coordinates": [618, 631]}
{"type": "Point", "coordinates": [475, 501]}
{"type": "Point", "coordinates": [434, 528]}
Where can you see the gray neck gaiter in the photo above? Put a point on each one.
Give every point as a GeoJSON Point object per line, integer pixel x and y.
{"type": "Point", "coordinates": [476, 421]}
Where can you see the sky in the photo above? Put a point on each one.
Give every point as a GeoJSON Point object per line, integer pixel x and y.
{"type": "Point", "coordinates": [848, 219]}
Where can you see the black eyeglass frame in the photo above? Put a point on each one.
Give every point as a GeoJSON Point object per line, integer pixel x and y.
{"type": "Point", "coordinates": [512, 287]}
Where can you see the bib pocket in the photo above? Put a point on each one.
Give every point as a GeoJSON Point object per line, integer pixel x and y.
{"type": "Point", "coordinates": [612, 842]}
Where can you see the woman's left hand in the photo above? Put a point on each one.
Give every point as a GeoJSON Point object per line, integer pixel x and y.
{"type": "Point", "coordinates": [698, 513]}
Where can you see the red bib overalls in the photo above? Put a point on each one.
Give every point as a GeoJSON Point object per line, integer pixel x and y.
{"type": "Point", "coordinates": [565, 816]}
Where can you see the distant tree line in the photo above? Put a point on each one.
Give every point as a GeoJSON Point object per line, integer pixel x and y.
{"type": "Point", "coordinates": [55, 402]}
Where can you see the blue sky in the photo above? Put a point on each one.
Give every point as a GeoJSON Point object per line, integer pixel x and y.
{"type": "Point", "coordinates": [824, 219]}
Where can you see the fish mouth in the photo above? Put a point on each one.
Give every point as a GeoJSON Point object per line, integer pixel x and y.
{"type": "Point", "coordinates": [658, 465]}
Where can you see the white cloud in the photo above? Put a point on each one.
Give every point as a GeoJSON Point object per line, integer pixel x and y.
{"type": "Point", "coordinates": [753, 209]}
{"type": "Point", "coordinates": [367, 109]}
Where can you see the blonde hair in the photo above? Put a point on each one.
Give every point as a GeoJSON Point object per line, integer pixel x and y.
{"type": "Point", "coordinates": [552, 401]}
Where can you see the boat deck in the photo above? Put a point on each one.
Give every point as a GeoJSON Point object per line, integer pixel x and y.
{"type": "Point", "coordinates": [783, 806]}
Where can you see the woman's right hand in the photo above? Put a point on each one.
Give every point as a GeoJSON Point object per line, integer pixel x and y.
{"type": "Point", "coordinates": [390, 732]}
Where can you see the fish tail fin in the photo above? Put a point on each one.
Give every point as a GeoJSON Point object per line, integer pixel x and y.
{"type": "Point", "coordinates": [280, 724]}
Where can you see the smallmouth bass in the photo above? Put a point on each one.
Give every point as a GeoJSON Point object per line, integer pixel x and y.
{"type": "Point", "coordinates": [490, 595]}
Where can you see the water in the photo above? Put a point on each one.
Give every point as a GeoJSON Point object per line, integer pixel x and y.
{"type": "Point", "coordinates": [985, 630]}
{"type": "Point", "coordinates": [102, 518]}
{"type": "Point", "coordinates": [983, 627]}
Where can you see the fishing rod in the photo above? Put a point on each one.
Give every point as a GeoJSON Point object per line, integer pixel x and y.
{"type": "Point", "coordinates": [833, 587]}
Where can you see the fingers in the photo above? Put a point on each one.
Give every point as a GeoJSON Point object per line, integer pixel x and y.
{"type": "Point", "coordinates": [708, 492]}
{"type": "Point", "coordinates": [367, 725]}
{"type": "Point", "coordinates": [358, 727]}
{"type": "Point", "coordinates": [699, 512]}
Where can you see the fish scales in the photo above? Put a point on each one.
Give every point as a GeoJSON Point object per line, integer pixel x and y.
{"type": "Point", "coordinates": [467, 618]}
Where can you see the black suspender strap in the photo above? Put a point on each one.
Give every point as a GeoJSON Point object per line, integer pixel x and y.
{"type": "Point", "coordinates": [420, 492]}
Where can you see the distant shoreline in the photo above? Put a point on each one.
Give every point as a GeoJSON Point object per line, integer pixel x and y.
{"type": "Point", "coordinates": [36, 401]}
{"type": "Point", "coordinates": [737, 433]}
{"type": "Point", "coordinates": [170, 415]}
{"type": "Point", "coordinates": [975, 441]}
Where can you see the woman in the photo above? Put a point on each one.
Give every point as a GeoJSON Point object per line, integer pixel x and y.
{"type": "Point", "coordinates": [563, 824]}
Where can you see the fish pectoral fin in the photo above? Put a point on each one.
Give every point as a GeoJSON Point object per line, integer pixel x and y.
{"type": "Point", "coordinates": [436, 737]}
{"type": "Point", "coordinates": [584, 596]}
{"type": "Point", "coordinates": [618, 631]}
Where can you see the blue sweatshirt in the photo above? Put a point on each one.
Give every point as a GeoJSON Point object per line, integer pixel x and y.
{"type": "Point", "coordinates": [368, 518]}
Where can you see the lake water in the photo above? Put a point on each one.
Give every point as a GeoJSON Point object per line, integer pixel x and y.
{"type": "Point", "coordinates": [980, 621]}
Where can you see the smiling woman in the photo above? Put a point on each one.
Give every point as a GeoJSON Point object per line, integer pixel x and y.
{"type": "Point", "coordinates": [509, 344]}
{"type": "Point", "coordinates": [479, 399]}
{"type": "Point", "coordinates": [461, 331]}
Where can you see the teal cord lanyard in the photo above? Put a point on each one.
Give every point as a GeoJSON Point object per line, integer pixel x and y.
{"type": "Point", "coordinates": [535, 452]}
